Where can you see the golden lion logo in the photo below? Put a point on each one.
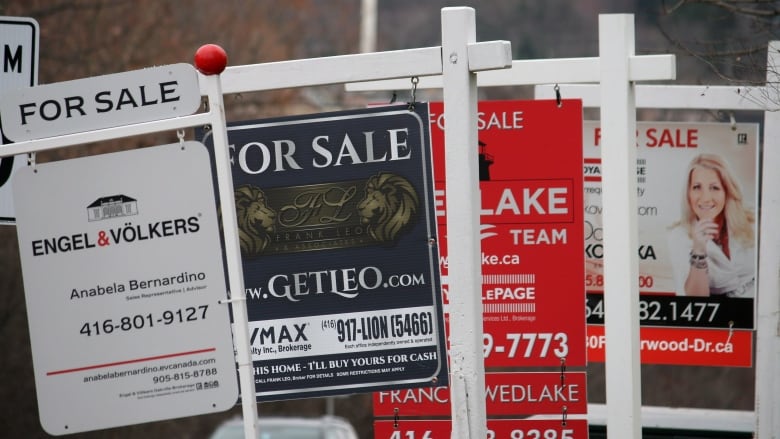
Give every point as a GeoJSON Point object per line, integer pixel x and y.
{"type": "Point", "coordinates": [389, 206]}
{"type": "Point", "coordinates": [255, 219]}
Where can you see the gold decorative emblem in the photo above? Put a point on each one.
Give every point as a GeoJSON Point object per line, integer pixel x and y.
{"type": "Point", "coordinates": [255, 219]}
{"type": "Point", "coordinates": [325, 216]}
{"type": "Point", "coordinates": [389, 206]}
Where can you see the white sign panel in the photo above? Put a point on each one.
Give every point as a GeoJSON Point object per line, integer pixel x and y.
{"type": "Point", "coordinates": [19, 38]}
{"type": "Point", "coordinates": [18, 52]}
{"type": "Point", "coordinates": [123, 279]}
{"type": "Point", "coordinates": [697, 206]}
{"type": "Point", "coordinates": [100, 102]}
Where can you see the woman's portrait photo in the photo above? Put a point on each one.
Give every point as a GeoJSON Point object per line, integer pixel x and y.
{"type": "Point", "coordinates": [712, 245]}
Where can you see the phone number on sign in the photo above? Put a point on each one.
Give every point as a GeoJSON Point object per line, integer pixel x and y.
{"type": "Point", "coordinates": [532, 433]}
{"type": "Point", "coordinates": [158, 379]}
{"type": "Point", "coordinates": [527, 345]}
{"type": "Point", "coordinates": [497, 429]}
{"type": "Point", "coordinates": [662, 310]}
{"type": "Point", "coordinates": [141, 321]}
{"type": "Point", "coordinates": [535, 433]}
{"type": "Point", "coordinates": [382, 327]}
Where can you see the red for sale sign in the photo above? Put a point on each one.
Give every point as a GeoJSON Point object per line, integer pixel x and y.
{"type": "Point", "coordinates": [531, 229]}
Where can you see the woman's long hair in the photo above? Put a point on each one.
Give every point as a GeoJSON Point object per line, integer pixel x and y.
{"type": "Point", "coordinates": [738, 220]}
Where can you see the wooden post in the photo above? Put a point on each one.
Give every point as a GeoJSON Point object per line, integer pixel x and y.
{"type": "Point", "coordinates": [768, 320]}
{"type": "Point", "coordinates": [467, 374]}
{"type": "Point", "coordinates": [621, 265]}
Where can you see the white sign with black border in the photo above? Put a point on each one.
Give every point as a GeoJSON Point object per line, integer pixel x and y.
{"type": "Point", "coordinates": [19, 38]}
{"type": "Point", "coordinates": [106, 101]}
{"type": "Point", "coordinates": [124, 284]}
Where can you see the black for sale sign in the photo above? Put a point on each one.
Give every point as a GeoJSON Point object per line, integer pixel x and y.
{"type": "Point", "coordinates": [340, 253]}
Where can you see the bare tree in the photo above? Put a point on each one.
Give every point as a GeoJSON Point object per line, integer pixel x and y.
{"type": "Point", "coordinates": [729, 37]}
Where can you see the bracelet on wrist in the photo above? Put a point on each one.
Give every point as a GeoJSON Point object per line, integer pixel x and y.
{"type": "Point", "coordinates": [700, 264]}
{"type": "Point", "coordinates": [698, 257]}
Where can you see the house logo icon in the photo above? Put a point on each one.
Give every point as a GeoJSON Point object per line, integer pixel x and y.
{"type": "Point", "coordinates": [111, 207]}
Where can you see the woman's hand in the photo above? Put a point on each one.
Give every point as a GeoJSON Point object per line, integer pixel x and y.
{"type": "Point", "coordinates": [703, 231]}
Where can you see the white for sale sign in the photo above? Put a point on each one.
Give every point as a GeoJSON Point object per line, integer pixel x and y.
{"type": "Point", "coordinates": [123, 280]}
{"type": "Point", "coordinates": [105, 101]}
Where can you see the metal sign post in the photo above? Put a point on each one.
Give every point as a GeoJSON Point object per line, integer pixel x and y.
{"type": "Point", "coordinates": [233, 255]}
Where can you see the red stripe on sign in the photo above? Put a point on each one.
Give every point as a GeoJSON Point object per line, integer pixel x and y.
{"type": "Point", "coordinates": [591, 160]}
{"type": "Point", "coordinates": [683, 346]}
{"type": "Point", "coordinates": [136, 360]}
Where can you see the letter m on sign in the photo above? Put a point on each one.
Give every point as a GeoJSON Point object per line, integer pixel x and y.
{"type": "Point", "coordinates": [18, 52]}
{"type": "Point", "coordinates": [12, 59]}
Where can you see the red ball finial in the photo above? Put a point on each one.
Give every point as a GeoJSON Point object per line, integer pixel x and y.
{"type": "Point", "coordinates": [210, 59]}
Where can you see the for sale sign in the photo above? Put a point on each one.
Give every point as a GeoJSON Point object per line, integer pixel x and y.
{"type": "Point", "coordinates": [125, 288]}
{"type": "Point", "coordinates": [697, 193]}
{"type": "Point", "coordinates": [339, 248]}
{"type": "Point", "coordinates": [530, 171]}
{"type": "Point", "coordinates": [100, 102]}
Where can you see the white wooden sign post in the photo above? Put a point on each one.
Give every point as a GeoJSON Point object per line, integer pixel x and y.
{"type": "Point", "coordinates": [765, 420]}
{"type": "Point", "coordinates": [768, 323]}
{"type": "Point", "coordinates": [618, 66]}
{"type": "Point", "coordinates": [621, 265]}
{"type": "Point", "coordinates": [458, 60]}
{"type": "Point", "coordinates": [467, 374]}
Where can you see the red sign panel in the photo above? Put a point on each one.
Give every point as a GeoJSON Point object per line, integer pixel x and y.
{"type": "Point", "coordinates": [537, 429]}
{"type": "Point", "coordinates": [507, 394]}
{"type": "Point", "coordinates": [497, 429]}
{"type": "Point", "coordinates": [683, 346]}
{"type": "Point", "coordinates": [532, 238]}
